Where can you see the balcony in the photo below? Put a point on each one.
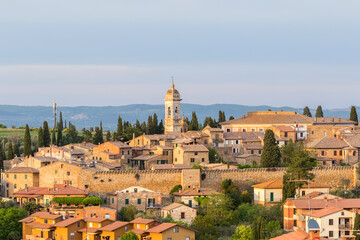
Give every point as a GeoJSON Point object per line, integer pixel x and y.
{"type": "Point", "coordinates": [346, 226]}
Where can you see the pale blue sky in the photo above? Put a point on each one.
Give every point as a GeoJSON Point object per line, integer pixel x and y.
{"type": "Point", "coordinates": [91, 52]}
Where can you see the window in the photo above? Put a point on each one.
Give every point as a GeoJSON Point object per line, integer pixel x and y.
{"type": "Point", "coordinates": [347, 233]}
{"type": "Point", "coordinates": [126, 228]}
{"type": "Point", "coordinates": [139, 201]}
{"type": "Point", "coordinates": [342, 213]}
{"type": "Point", "coordinates": [122, 152]}
{"type": "Point", "coordinates": [259, 151]}
{"type": "Point", "coordinates": [78, 224]}
{"type": "Point", "coordinates": [182, 215]}
{"type": "Point", "coordinates": [126, 201]}
{"type": "Point", "coordinates": [187, 238]}
{"type": "Point", "coordinates": [324, 134]}
{"type": "Point", "coordinates": [72, 235]}
{"type": "Point", "coordinates": [25, 185]}
{"type": "Point", "coordinates": [205, 141]}
{"type": "Point", "coordinates": [285, 134]}
{"type": "Point", "coordinates": [322, 153]}
{"type": "Point", "coordinates": [90, 224]}
{"type": "Point", "coordinates": [169, 239]}
{"type": "Point", "coordinates": [135, 190]}
{"type": "Point", "coordinates": [261, 130]}
{"type": "Point", "coordinates": [335, 153]}
{"type": "Point", "coordinates": [175, 159]}
{"type": "Point", "coordinates": [112, 200]}
{"type": "Point", "coordinates": [354, 153]}
{"type": "Point", "coordinates": [252, 151]}
{"type": "Point", "coordinates": [253, 129]}
{"type": "Point", "coordinates": [68, 173]}
{"type": "Point", "coordinates": [203, 159]}
{"type": "Point", "coordinates": [176, 229]}
{"type": "Point", "coordinates": [45, 221]}
{"type": "Point", "coordinates": [301, 135]}
{"type": "Point", "coordinates": [14, 176]}
{"type": "Point", "coordinates": [196, 153]}
{"type": "Point", "coordinates": [340, 152]}
{"type": "Point", "coordinates": [331, 222]}
{"type": "Point", "coordinates": [244, 129]}
{"type": "Point", "coordinates": [312, 132]}
{"type": "Point", "coordinates": [107, 216]}
{"type": "Point", "coordinates": [228, 130]}
{"type": "Point", "coordinates": [138, 141]}
{"type": "Point", "coordinates": [128, 152]}
{"type": "Point", "coordinates": [137, 226]}
{"type": "Point", "coordinates": [25, 176]}
{"type": "Point", "coordinates": [192, 159]}
{"type": "Point", "coordinates": [14, 185]}
{"type": "Point", "coordinates": [236, 141]}
{"type": "Point", "coordinates": [331, 234]}
{"type": "Point", "coordinates": [303, 193]}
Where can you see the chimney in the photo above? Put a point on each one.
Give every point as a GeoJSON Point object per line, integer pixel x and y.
{"type": "Point", "coordinates": [243, 116]}
{"type": "Point", "coordinates": [281, 110]}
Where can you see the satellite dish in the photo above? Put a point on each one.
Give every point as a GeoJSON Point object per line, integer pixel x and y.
{"type": "Point", "coordinates": [313, 225]}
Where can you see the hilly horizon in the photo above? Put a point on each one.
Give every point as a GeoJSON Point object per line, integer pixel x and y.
{"type": "Point", "coordinates": [90, 116]}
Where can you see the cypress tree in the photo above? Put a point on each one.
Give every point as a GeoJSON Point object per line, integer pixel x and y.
{"type": "Point", "coordinates": [143, 127]}
{"type": "Point", "coordinates": [2, 157]}
{"type": "Point", "coordinates": [53, 137]}
{"type": "Point", "coordinates": [319, 112]}
{"type": "Point", "coordinates": [194, 124]}
{"type": "Point", "coordinates": [61, 122]}
{"type": "Point", "coordinates": [221, 117]}
{"type": "Point", "coordinates": [46, 134]}
{"type": "Point", "coordinates": [357, 225]}
{"type": "Point", "coordinates": [289, 189]}
{"type": "Point", "coordinates": [353, 115]}
{"type": "Point", "coordinates": [108, 136]}
{"type": "Point", "coordinates": [231, 118]}
{"type": "Point", "coordinates": [10, 151]}
{"type": "Point", "coordinates": [65, 124]}
{"type": "Point", "coordinates": [27, 141]}
{"type": "Point", "coordinates": [101, 132]}
{"type": "Point", "coordinates": [155, 124]}
{"type": "Point", "coordinates": [271, 153]}
{"type": "Point", "coordinates": [40, 140]}
{"type": "Point", "coordinates": [119, 129]}
{"type": "Point", "coordinates": [138, 125]}
{"type": "Point", "coordinates": [161, 127]}
{"type": "Point", "coordinates": [72, 133]}
{"type": "Point", "coordinates": [16, 149]}
{"type": "Point", "coordinates": [149, 126]}
{"type": "Point", "coordinates": [307, 112]}
{"type": "Point", "coordinates": [97, 136]}
{"type": "Point", "coordinates": [59, 140]}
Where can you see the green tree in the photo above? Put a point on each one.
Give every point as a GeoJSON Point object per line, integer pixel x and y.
{"type": "Point", "coordinates": [53, 137]}
{"type": "Point", "coordinates": [87, 136]}
{"type": "Point", "coordinates": [258, 229]}
{"type": "Point", "coordinates": [149, 126]}
{"type": "Point", "coordinates": [119, 129]}
{"type": "Point", "coordinates": [194, 124]}
{"type": "Point", "coordinates": [128, 213]}
{"type": "Point", "coordinates": [271, 156]}
{"type": "Point", "coordinates": [208, 121]}
{"type": "Point", "coordinates": [10, 228]}
{"type": "Point", "coordinates": [2, 157]}
{"type": "Point", "coordinates": [40, 139]}
{"type": "Point", "coordinates": [231, 118]}
{"type": "Point", "coordinates": [273, 229]}
{"type": "Point", "coordinates": [59, 137]}
{"type": "Point", "coordinates": [242, 232]}
{"type": "Point", "coordinates": [222, 117]}
{"type": "Point", "coordinates": [129, 236]}
{"type": "Point", "coordinates": [155, 125]}
{"type": "Point", "coordinates": [319, 112]}
{"type": "Point", "coordinates": [307, 112]}
{"type": "Point", "coordinates": [101, 133]}
{"type": "Point", "coordinates": [16, 149]}
{"type": "Point", "coordinates": [72, 134]}
{"type": "Point", "coordinates": [357, 225]}
{"type": "Point", "coordinates": [161, 127]}
{"type": "Point", "coordinates": [10, 151]}
{"type": "Point", "coordinates": [31, 207]}
{"type": "Point", "coordinates": [138, 124]}
{"type": "Point", "coordinates": [213, 156]}
{"type": "Point", "coordinates": [46, 134]}
{"type": "Point", "coordinates": [108, 136]}
{"type": "Point", "coordinates": [61, 123]}
{"type": "Point", "coordinates": [27, 141]}
{"type": "Point", "coordinates": [97, 136]}
{"type": "Point", "coordinates": [353, 115]}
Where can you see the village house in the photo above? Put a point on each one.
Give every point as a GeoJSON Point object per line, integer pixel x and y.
{"type": "Point", "coordinates": [60, 153]}
{"type": "Point", "coordinates": [179, 212]}
{"type": "Point", "coordinates": [68, 229]}
{"type": "Point", "coordinates": [270, 193]}
{"type": "Point", "coordinates": [188, 196]}
{"type": "Point", "coordinates": [18, 178]}
{"type": "Point", "coordinates": [171, 231]}
{"type": "Point", "coordinates": [92, 231]}
{"type": "Point", "coordinates": [191, 154]}
{"type": "Point", "coordinates": [115, 230]}
{"type": "Point", "coordinates": [116, 151]}
{"type": "Point", "coordinates": [85, 147]}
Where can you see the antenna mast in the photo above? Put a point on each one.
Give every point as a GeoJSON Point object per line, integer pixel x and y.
{"type": "Point", "coordinates": [55, 111]}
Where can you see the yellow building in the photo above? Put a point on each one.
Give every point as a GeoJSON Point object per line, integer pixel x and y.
{"type": "Point", "coordinates": [40, 225]}
{"type": "Point", "coordinates": [19, 178]}
{"type": "Point", "coordinates": [115, 230]}
{"type": "Point", "coordinates": [191, 154]}
{"type": "Point", "coordinates": [171, 231]}
{"type": "Point", "coordinates": [92, 229]}
{"type": "Point", "coordinates": [68, 229]}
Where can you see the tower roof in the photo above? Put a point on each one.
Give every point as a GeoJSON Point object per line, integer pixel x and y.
{"type": "Point", "coordinates": [172, 93]}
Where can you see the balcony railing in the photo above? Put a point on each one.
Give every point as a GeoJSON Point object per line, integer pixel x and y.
{"type": "Point", "coordinates": [346, 226]}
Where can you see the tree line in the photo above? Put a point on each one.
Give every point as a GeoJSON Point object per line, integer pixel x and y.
{"type": "Point", "coordinates": [319, 113]}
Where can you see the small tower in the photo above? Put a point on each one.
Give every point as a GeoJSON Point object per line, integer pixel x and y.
{"type": "Point", "coordinates": [172, 111]}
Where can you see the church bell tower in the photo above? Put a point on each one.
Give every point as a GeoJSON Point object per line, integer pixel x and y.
{"type": "Point", "coordinates": [172, 111]}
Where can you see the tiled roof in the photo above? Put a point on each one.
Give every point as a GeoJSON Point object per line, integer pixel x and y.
{"type": "Point", "coordinates": [146, 157]}
{"type": "Point", "coordinates": [162, 227]}
{"type": "Point", "coordinates": [322, 203]}
{"type": "Point", "coordinates": [353, 140]}
{"type": "Point", "coordinates": [67, 222]}
{"type": "Point", "coordinates": [196, 192]}
{"type": "Point", "coordinates": [285, 128]}
{"type": "Point", "coordinates": [113, 226]}
{"type": "Point", "coordinates": [46, 159]}
{"type": "Point", "coordinates": [298, 234]}
{"type": "Point", "coordinates": [120, 144]}
{"type": "Point", "coordinates": [97, 220]}
{"type": "Point", "coordinates": [332, 120]}
{"type": "Point", "coordinates": [69, 190]}
{"type": "Point", "coordinates": [89, 230]}
{"type": "Point", "coordinates": [142, 221]}
{"type": "Point", "coordinates": [22, 170]}
{"type": "Point", "coordinates": [39, 225]}
{"type": "Point", "coordinates": [245, 136]}
{"type": "Point", "coordinates": [278, 184]}
{"type": "Point", "coordinates": [27, 220]}
{"type": "Point", "coordinates": [324, 212]}
{"type": "Point", "coordinates": [33, 191]}
{"type": "Point", "coordinates": [328, 143]}
{"type": "Point", "coordinates": [137, 231]}
{"type": "Point", "coordinates": [173, 206]}
{"type": "Point", "coordinates": [195, 148]}
{"type": "Point", "coordinates": [271, 118]}
{"type": "Point", "coordinates": [46, 215]}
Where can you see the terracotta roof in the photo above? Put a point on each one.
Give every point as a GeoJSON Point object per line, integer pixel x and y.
{"type": "Point", "coordinates": [173, 206]}
{"type": "Point", "coordinates": [142, 221]}
{"type": "Point", "coordinates": [196, 192]}
{"type": "Point", "coordinates": [27, 220]}
{"type": "Point", "coordinates": [146, 157]}
{"type": "Point", "coordinates": [245, 136]}
{"type": "Point", "coordinates": [32, 191]}
{"type": "Point", "coordinates": [328, 143]}
{"type": "Point", "coordinates": [354, 140]}
{"type": "Point", "coordinates": [46, 159]}
{"type": "Point", "coordinates": [195, 148]}
{"type": "Point", "coordinates": [278, 184]}
{"type": "Point", "coordinates": [113, 226]}
{"type": "Point", "coordinates": [67, 222]}
{"type": "Point", "coordinates": [324, 212]}
{"type": "Point", "coordinates": [89, 230]}
{"type": "Point", "coordinates": [285, 128]}
{"type": "Point", "coordinates": [22, 170]}
{"type": "Point", "coordinates": [39, 225]}
{"type": "Point", "coordinates": [46, 215]}
{"type": "Point", "coordinates": [164, 147]}
{"type": "Point", "coordinates": [137, 231]}
{"type": "Point", "coordinates": [298, 234]}
{"type": "Point", "coordinates": [120, 144]}
{"type": "Point", "coordinates": [69, 190]}
{"type": "Point", "coordinates": [97, 220]}
{"type": "Point", "coordinates": [271, 118]}
{"type": "Point", "coordinates": [322, 203]}
{"type": "Point", "coordinates": [161, 228]}
{"type": "Point", "coordinates": [332, 120]}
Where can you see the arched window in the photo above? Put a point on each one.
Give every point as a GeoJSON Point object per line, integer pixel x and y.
{"type": "Point", "coordinates": [169, 111]}
{"type": "Point", "coordinates": [176, 110]}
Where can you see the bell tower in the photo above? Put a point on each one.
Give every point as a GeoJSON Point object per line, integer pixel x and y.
{"type": "Point", "coordinates": [172, 111]}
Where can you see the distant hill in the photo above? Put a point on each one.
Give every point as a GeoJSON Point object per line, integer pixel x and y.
{"type": "Point", "coordinates": [87, 116]}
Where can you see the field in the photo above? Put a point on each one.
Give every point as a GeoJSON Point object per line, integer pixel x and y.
{"type": "Point", "coordinates": [7, 132]}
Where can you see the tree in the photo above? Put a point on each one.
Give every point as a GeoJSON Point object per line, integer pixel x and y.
{"type": "Point", "coordinates": [40, 139]}
{"type": "Point", "coordinates": [221, 117]}
{"type": "Point", "coordinates": [307, 112]}
{"type": "Point", "coordinates": [2, 157]}
{"type": "Point", "coordinates": [129, 236]}
{"type": "Point", "coordinates": [155, 125]}
{"type": "Point", "coordinates": [353, 115]}
{"type": "Point", "coordinates": [10, 228]}
{"type": "Point", "coordinates": [231, 118]}
{"type": "Point", "coordinates": [46, 134]}
{"type": "Point", "coordinates": [61, 123]}
{"type": "Point", "coordinates": [258, 229]}
{"type": "Point", "coordinates": [319, 112]}
{"type": "Point", "coordinates": [72, 134]}
{"type": "Point", "coordinates": [87, 135]}
{"type": "Point", "coordinates": [31, 207]}
{"type": "Point", "coordinates": [271, 152]}
{"type": "Point", "coordinates": [213, 156]}
{"type": "Point", "coordinates": [161, 127]}
{"type": "Point", "coordinates": [208, 121]}
{"type": "Point", "coordinates": [108, 136]}
{"type": "Point", "coordinates": [242, 232]}
{"type": "Point", "coordinates": [357, 225]}
{"type": "Point", "coordinates": [27, 142]}
{"type": "Point", "coordinates": [16, 149]}
{"type": "Point", "coordinates": [97, 136]}
{"type": "Point", "coordinates": [149, 126]}
{"type": "Point", "coordinates": [128, 213]}
{"type": "Point", "coordinates": [10, 152]}
{"type": "Point", "coordinates": [194, 124]}
{"type": "Point", "coordinates": [53, 137]}
{"type": "Point", "coordinates": [119, 129]}
{"type": "Point", "coordinates": [101, 132]}
{"type": "Point", "coordinates": [59, 138]}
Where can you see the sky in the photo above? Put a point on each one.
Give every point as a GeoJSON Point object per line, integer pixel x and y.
{"type": "Point", "coordinates": [115, 52]}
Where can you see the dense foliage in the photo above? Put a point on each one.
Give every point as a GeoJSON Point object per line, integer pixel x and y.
{"type": "Point", "coordinates": [319, 112]}
{"type": "Point", "coordinates": [10, 228]}
{"type": "Point", "coordinates": [271, 156]}
{"type": "Point", "coordinates": [307, 112]}
{"type": "Point", "coordinates": [95, 201]}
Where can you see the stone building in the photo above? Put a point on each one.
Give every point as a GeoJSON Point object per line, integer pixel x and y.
{"type": "Point", "coordinates": [172, 111]}
{"type": "Point", "coordinates": [179, 212]}
{"type": "Point", "coordinates": [188, 196]}
{"type": "Point", "coordinates": [18, 178]}
{"type": "Point", "coordinates": [114, 150]}
{"type": "Point", "coordinates": [191, 154]}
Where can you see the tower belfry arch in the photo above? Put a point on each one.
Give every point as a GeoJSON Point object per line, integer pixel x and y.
{"type": "Point", "coordinates": [172, 111]}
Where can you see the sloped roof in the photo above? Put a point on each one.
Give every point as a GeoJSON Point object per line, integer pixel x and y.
{"type": "Point", "coordinates": [27, 220]}
{"type": "Point", "coordinates": [173, 206]}
{"type": "Point", "coordinates": [196, 192]}
{"type": "Point", "coordinates": [120, 144]}
{"type": "Point", "coordinates": [46, 215]}
{"type": "Point", "coordinates": [328, 143]}
{"type": "Point", "coordinates": [46, 159]}
{"type": "Point", "coordinates": [89, 230]}
{"type": "Point", "coordinates": [23, 170]}
{"type": "Point", "coordinates": [194, 148]}
{"type": "Point", "coordinates": [324, 212]}
{"type": "Point", "coordinates": [146, 157]}
{"type": "Point", "coordinates": [97, 220]}
{"type": "Point", "coordinates": [162, 227]}
{"type": "Point", "coordinates": [113, 226]}
{"type": "Point", "coordinates": [142, 221]}
{"type": "Point", "coordinates": [322, 203]}
{"type": "Point", "coordinates": [69, 190]}
{"type": "Point", "coordinates": [353, 140]}
{"type": "Point", "coordinates": [298, 234]}
{"type": "Point", "coordinates": [245, 136]}
{"type": "Point", "coordinates": [39, 225]}
{"type": "Point", "coordinates": [67, 222]}
{"type": "Point", "coordinates": [278, 184]}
